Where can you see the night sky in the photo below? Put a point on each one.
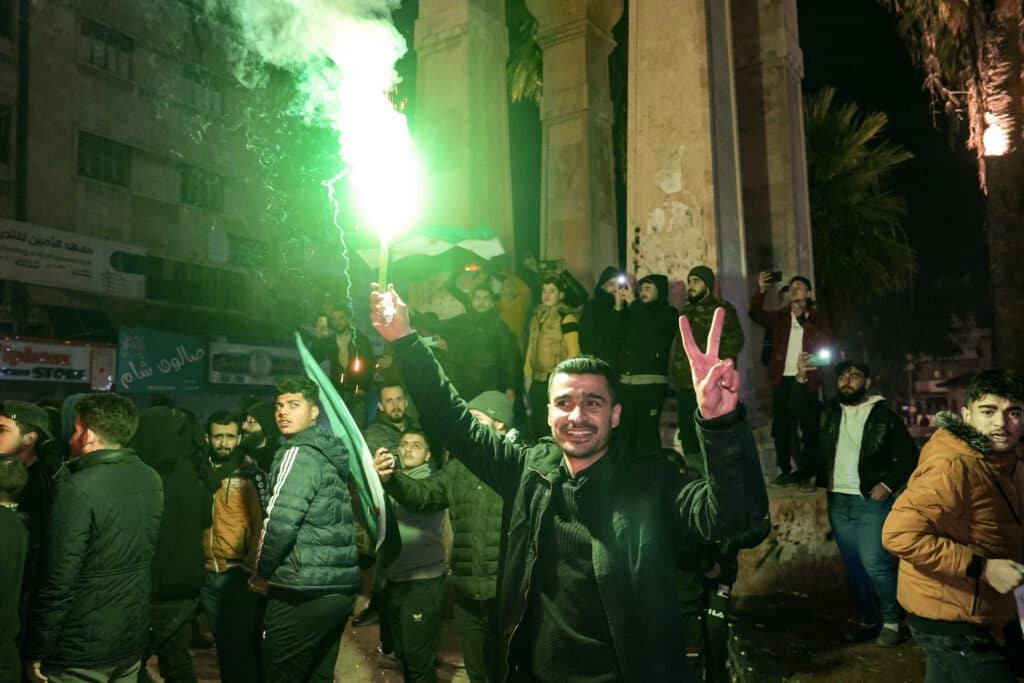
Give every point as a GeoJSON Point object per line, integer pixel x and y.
{"type": "Point", "coordinates": [854, 46]}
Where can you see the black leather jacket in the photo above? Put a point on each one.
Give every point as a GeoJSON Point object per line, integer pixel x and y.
{"type": "Point", "coordinates": [887, 452]}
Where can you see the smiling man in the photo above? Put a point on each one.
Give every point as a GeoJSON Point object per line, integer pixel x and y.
{"type": "Point", "coordinates": [587, 589]}
{"type": "Point", "coordinates": [307, 560]}
{"type": "Point", "coordinates": [957, 531]}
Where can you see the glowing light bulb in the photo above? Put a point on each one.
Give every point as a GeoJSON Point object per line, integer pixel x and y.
{"type": "Point", "coordinates": [995, 139]}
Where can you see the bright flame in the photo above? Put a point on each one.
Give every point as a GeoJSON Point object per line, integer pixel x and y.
{"type": "Point", "coordinates": [995, 139]}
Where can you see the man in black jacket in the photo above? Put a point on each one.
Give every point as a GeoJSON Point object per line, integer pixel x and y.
{"type": "Point", "coordinates": [487, 353]}
{"type": "Point", "coordinates": [587, 590]}
{"type": "Point", "coordinates": [307, 560]}
{"type": "Point", "coordinates": [165, 441]}
{"type": "Point", "coordinates": [867, 455]}
{"type": "Point", "coordinates": [90, 615]}
{"type": "Point", "coordinates": [647, 332]}
{"type": "Point", "coordinates": [602, 315]}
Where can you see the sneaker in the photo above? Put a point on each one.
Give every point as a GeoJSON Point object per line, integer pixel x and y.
{"type": "Point", "coordinates": [890, 637]}
{"type": "Point", "coordinates": [864, 633]}
{"type": "Point", "coordinates": [368, 617]}
{"type": "Point", "coordinates": [784, 479]}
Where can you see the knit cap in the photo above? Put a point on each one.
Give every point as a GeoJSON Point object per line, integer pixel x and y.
{"type": "Point", "coordinates": [705, 274]}
{"type": "Point", "coordinates": [495, 405]}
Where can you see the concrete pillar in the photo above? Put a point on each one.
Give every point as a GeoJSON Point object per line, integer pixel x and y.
{"type": "Point", "coordinates": [462, 113]}
{"type": "Point", "coordinates": [577, 177]}
{"type": "Point", "coordinates": [769, 69]}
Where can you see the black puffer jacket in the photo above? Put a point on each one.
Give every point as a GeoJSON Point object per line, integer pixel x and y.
{"type": "Point", "coordinates": [308, 542]}
{"type": "Point", "coordinates": [887, 451]}
{"type": "Point", "coordinates": [164, 442]}
{"type": "Point", "coordinates": [92, 604]}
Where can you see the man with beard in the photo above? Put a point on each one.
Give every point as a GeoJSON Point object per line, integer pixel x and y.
{"type": "Point", "coordinates": [649, 327]}
{"type": "Point", "coordinates": [487, 355]}
{"type": "Point", "coordinates": [260, 438]}
{"type": "Point", "coordinates": [699, 310]}
{"type": "Point", "coordinates": [867, 455]}
{"type": "Point", "coordinates": [349, 356]}
{"type": "Point", "coordinates": [602, 316]}
{"type": "Point", "coordinates": [229, 545]}
{"type": "Point", "coordinates": [957, 531]}
{"type": "Point", "coordinates": [306, 562]}
{"type": "Point", "coordinates": [586, 589]}
{"type": "Point", "coordinates": [90, 616]}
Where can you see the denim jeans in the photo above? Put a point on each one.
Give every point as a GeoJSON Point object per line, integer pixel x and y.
{"type": "Point", "coordinates": [963, 658]}
{"type": "Point", "coordinates": [231, 612]}
{"type": "Point", "coordinates": [870, 570]}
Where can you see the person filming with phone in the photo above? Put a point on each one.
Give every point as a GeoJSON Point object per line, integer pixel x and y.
{"type": "Point", "coordinates": [801, 328]}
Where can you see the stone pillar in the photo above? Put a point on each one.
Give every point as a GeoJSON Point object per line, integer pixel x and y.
{"type": "Point", "coordinates": [462, 114]}
{"type": "Point", "coordinates": [577, 177]}
{"type": "Point", "coordinates": [670, 203]}
{"type": "Point", "coordinates": [769, 68]}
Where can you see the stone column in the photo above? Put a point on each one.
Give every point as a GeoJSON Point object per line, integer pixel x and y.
{"type": "Point", "coordinates": [769, 68]}
{"type": "Point", "coordinates": [462, 113]}
{"type": "Point", "coordinates": [577, 182]}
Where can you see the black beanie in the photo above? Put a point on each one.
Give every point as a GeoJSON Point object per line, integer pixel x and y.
{"type": "Point", "coordinates": [705, 274]}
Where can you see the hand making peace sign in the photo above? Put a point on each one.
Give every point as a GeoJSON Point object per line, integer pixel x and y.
{"type": "Point", "coordinates": [717, 383]}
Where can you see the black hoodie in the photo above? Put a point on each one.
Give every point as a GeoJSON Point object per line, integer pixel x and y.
{"type": "Point", "coordinates": [600, 323]}
{"type": "Point", "coordinates": [164, 442]}
{"type": "Point", "coordinates": [648, 332]}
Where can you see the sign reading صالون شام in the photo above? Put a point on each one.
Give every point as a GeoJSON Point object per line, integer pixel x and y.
{"type": "Point", "coordinates": [155, 361]}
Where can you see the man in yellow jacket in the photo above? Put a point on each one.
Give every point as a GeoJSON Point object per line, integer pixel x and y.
{"type": "Point", "coordinates": [229, 544]}
{"type": "Point", "coordinates": [957, 530]}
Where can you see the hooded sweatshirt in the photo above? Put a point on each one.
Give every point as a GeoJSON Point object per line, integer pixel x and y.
{"type": "Point", "coordinates": [600, 322]}
{"type": "Point", "coordinates": [648, 333]}
{"type": "Point", "coordinates": [263, 455]}
{"type": "Point", "coordinates": [422, 553]}
{"type": "Point", "coordinates": [164, 442]}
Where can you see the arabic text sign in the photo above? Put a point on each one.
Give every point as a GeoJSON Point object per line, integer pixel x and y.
{"type": "Point", "coordinates": [22, 359]}
{"type": "Point", "coordinates": [244, 364]}
{"type": "Point", "coordinates": [154, 361]}
{"type": "Point", "coordinates": [44, 256]}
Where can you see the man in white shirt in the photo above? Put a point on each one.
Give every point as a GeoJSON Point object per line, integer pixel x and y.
{"type": "Point", "coordinates": [867, 455]}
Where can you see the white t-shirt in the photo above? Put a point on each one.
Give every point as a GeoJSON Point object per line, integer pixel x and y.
{"type": "Point", "coordinates": [795, 346]}
{"type": "Point", "coordinates": [845, 473]}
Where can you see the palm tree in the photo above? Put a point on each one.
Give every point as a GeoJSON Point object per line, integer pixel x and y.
{"type": "Point", "coordinates": [973, 59]}
{"type": "Point", "coordinates": [859, 247]}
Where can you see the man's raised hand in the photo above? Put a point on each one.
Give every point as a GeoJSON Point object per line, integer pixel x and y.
{"type": "Point", "coordinates": [716, 382]}
{"type": "Point", "coordinates": [398, 326]}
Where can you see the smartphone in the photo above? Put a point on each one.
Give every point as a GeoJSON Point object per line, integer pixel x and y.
{"type": "Point", "coordinates": [622, 281]}
{"type": "Point", "coordinates": [397, 460]}
{"type": "Point", "coordinates": [775, 276]}
{"type": "Point", "coordinates": [820, 359]}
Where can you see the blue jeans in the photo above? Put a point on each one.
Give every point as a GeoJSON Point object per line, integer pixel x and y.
{"type": "Point", "coordinates": [963, 658]}
{"type": "Point", "coordinates": [870, 570]}
{"type": "Point", "coordinates": [231, 612]}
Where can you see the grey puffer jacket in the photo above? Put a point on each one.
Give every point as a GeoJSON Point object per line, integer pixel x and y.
{"type": "Point", "coordinates": [308, 543]}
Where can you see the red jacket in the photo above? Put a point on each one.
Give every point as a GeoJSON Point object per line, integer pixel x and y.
{"type": "Point", "coordinates": [817, 335]}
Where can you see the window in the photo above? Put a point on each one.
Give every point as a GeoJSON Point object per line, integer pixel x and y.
{"type": "Point", "coordinates": [201, 188]}
{"type": "Point", "coordinates": [105, 49]}
{"type": "Point", "coordinates": [7, 19]}
{"type": "Point", "coordinates": [194, 284]}
{"type": "Point", "coordinates": [103, 159]}
{"type": "Point", "coordinates": [6, 139]}
{"type": "Point", "coordinates": [202, 90]}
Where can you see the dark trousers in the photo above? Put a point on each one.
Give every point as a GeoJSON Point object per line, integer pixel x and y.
{"type": "Point", "coordinates": [117, 673]}
{"type": "Point", "coordinates": [641, 416]}
{"type": "Point", "coordinates": [301, 636]}
{"type": "Point", "coordinates": [686, 407]}
{"type": "Point", "coordinates": [170, 635]}
{"type": "Point", "coordinates": [231, 612]}
{"type": "Point", "coordinates": [472, 621]}
{"type": "Point", "coordinates": [963, 658]}
{"type": "Point", "coordinates": [795, 410]}
{"type": "Point", "coordinates": [415, 617]}
{"type": "Point", "coordinates": [706, 634]}
{"type": "Point", "coordinates": [870, 570]}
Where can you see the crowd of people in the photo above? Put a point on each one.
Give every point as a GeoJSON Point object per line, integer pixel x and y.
{"type": "Point", "coordinates": [581, 549]}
